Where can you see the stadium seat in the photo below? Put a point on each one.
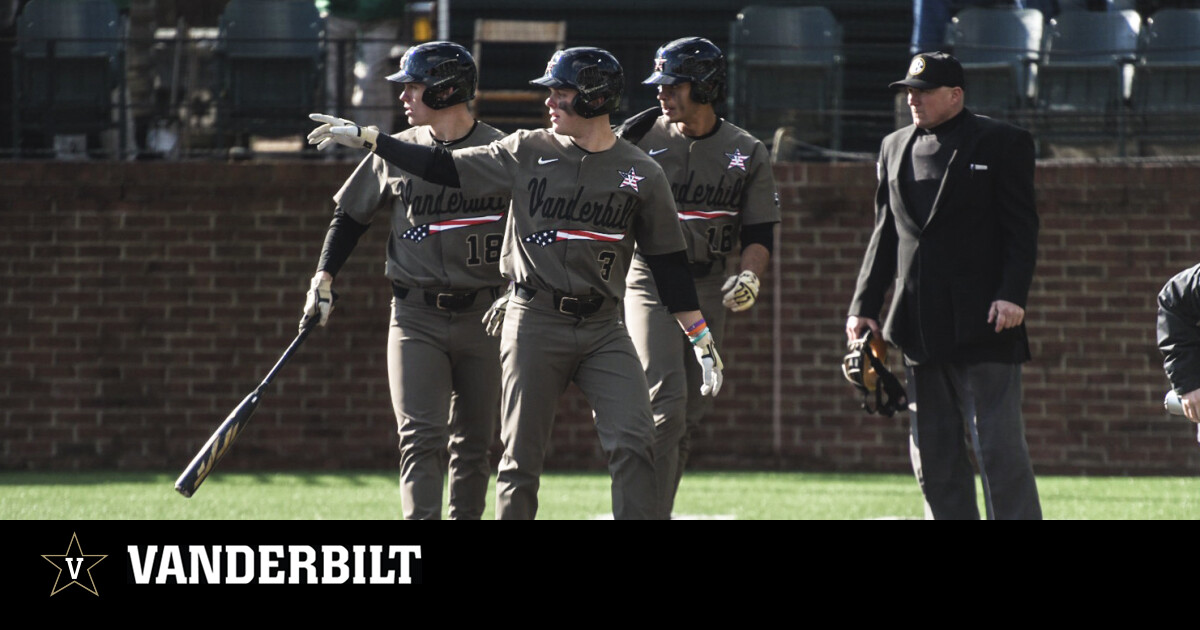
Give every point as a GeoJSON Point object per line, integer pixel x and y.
{"type": "Point", "coordinates": [1084, 82]}
{"type": "Point", "coordinates": [1166, 84]}
{"type": "Point", "coordinates": [269, 55]}
{"type": "Point", "coordinates": [786, 72]}
{"type": "Point", "coordinates": [67, 70]}
{"type": "Point", "coordinates": [999, 50]}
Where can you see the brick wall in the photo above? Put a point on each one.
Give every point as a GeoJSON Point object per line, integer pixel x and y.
{"type": "Point", "coordinates": [140, 302]}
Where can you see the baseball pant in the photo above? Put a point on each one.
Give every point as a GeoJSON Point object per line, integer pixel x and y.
{"type": "Point", "coordinates": [980, 402]}
{"type": "Point", "coordinates": [541, 352]}
{"type": "Point", "coordinates": [672, 372]}
{"type": "Point", "coordinates": [444, 372]}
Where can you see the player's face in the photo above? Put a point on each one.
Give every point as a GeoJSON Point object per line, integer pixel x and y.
{"type": "Point", "coordinates": [933, 107]}
{"type": "Point", "coordinates": [563, 119]}
{"type": "Point", "coordinates": [415, 109]}
{"type": "Point", "coordinates": [676, 102]}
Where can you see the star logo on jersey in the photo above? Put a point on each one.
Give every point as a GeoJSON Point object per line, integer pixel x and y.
{"type": "Point", "coordinates": [74, 567]}
{"type": "Point", "coordinates": [631, 179]}
{"type": "Point", "coordinates": [421, 232]}
{"type": "Point", "coordinates": [737, 160]}
{"type": "Point", "coordinates": [548, 237]}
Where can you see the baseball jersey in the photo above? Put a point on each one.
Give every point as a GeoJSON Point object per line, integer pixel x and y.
{"type": "Point", "coordinates": [719, 182]}
{"type": "Point", "coordinates": [441, 237]}
{"type": "Point", "coordinates": [575, 216]}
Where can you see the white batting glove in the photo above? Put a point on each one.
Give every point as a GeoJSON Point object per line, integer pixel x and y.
{"type": "Point", "coordinates": [341, 131]}
{"type": "Point", "coordinates": [320, 300]}
{"type": "Point", "coordinates": [741, 291]}
{"type": "Point", "coordinates": [706, 354]}
{"type": "Point", "coordinates": [493, 319]}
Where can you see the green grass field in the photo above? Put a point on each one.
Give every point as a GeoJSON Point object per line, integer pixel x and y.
{"type": "Point", "coordinates": [374, 495]}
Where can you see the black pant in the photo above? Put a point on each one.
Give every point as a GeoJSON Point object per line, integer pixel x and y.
{"type": "Point", "coordinates": [981, 402]}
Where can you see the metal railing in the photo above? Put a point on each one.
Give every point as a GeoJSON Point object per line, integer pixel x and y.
{"type": "Point", "coordinates": [186, 112]}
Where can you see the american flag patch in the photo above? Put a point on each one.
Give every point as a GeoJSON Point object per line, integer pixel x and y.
{"type": "Point", "coordinates": [692, 215]}
{"type": "Point", "coordinates": [546, 237]}
{"type": "Point", "coordinates": [418, 233]}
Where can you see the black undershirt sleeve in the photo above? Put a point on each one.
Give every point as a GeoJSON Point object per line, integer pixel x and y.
{"type": "Point", "coordinates": [676, 287]}
{"type": "Point", "coordinates": [432, 164]}
{"type": "Point", "coordinates": [760, 233]}
{"type": "Point", "coordinates": [340, 240]}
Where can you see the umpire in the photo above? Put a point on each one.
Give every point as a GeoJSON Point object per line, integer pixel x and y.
{"type": "Point", "coordinates": [1179, 337]}
{"type": "Point", "coordinates": [956, 228]}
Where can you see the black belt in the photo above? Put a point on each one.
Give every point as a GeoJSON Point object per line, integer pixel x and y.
{"type": "Point", "coordinates": [444, 300]}
{"type": "Point", "coordinates": [576, 305]}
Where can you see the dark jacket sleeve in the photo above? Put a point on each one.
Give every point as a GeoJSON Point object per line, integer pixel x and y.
{"type": "Point", "coordinates": [879, 262]}
{"type": "Point", "coordinates": [1179, 330]}
{"type": "Point", "coordinates": [1018, 219]}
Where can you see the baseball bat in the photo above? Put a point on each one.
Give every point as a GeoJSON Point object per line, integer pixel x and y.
{"type": "Point", "coordinates": [220, 441]}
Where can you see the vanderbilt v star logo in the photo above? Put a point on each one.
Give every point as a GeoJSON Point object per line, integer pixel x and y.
{"type": "Point", "coordinates": [630, 179]}
{"type": "Point", "coordinates": [76, 565]}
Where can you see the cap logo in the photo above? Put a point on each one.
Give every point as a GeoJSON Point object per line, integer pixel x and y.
{"type": "Point", "coordinates": [659, 64]}
{"type": "Point", "coordinates": [553, 60]}
{"type": "Point", "coordinates": [917, 67]}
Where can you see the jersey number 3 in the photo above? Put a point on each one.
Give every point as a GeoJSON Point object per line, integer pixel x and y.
{"type": "Point", "coordinates": [606, 258]}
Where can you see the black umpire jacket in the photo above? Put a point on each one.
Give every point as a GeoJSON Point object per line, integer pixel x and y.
{"type": "Point", "coordinates": [978, 245]}
{"type": "Point", "coordinates": [1179, 330]}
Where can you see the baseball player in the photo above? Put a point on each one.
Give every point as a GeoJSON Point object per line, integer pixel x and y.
{"type": "Point", "coordinates": [725, 194]}
{"type": "Point", "coordinates": [581, 199]}
{"type": "Point", "coordinates": [443, 259]}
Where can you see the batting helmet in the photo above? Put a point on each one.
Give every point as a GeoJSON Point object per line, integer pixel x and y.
{"type": "Point", "coordinates": [445, 69]}
{"type": "Point", "coordinates": [692, 60]}
{"type": "Point", "coordinates": [595, 73]}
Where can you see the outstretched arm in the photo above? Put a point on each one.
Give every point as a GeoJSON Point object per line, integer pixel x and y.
{"type": "Point", "coordinates": [433, 164]}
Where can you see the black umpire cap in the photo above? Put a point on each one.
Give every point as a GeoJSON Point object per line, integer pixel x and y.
{"type": "Point", "coordinates": [932, 70]}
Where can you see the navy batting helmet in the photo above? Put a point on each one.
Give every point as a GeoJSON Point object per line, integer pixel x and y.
{"type": "Point", "coordinates": [692, 60]}
{"type": "Point", "coordinates": [445, 69]}
{"type": "Point", "coordinates": [595, 73]}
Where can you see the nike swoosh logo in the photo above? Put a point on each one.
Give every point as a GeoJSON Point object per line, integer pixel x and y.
{"type": "Point", "coordinates": [545, 161]}
{"type": "Point", "coordinates": [654, 152]}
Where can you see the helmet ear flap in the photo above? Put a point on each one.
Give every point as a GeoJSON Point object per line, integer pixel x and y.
{"type": "Point", "coordinates": [708, 86]}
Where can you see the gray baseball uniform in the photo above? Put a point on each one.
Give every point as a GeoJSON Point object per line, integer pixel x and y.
{"type": "Point", "coordinates": [443, 260]}
{"type": "Point", "coordinates": [720, 182]}
{"type": "Point", "coordinates": [573, 223]}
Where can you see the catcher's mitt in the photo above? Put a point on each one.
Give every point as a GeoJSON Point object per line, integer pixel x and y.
{"type": "Point", "coordinates": [864, 367]}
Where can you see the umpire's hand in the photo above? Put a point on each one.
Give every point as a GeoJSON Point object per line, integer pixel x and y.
{"type": "Point", "coordinates": [1005, 315]}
